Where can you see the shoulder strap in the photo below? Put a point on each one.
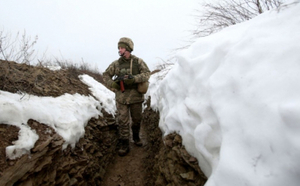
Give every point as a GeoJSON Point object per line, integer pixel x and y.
{"type": "Point", "coordinates": [138, 63]}
{"type": "Point", "coordinates": [131, 66]}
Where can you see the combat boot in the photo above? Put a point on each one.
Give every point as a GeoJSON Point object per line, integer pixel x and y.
{"type": "Point", "coordinates": [124, 149]}
{"type": "Point", "coordinates": [136, 138]}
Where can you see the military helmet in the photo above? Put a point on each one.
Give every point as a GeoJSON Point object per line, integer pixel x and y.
{"type": "Point", "coordinates": [127, 43]}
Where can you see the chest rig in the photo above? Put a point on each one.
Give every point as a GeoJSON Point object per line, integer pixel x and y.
{"type": "Point", "coordinates": [128, 67]}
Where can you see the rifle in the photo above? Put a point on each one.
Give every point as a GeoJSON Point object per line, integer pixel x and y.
{"type": "Point", "coordinates": [121, 80]}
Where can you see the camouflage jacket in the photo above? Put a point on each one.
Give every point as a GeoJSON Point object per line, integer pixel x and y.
{"type": "Point", "coordinates": [140, 71]}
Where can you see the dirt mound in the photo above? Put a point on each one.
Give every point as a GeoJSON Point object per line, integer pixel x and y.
{"type": "Point", "coordinates": [41, 81]}
{"type": "Point", "coordinates": [47, 164]}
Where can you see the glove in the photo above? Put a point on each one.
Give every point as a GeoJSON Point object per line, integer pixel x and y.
{"type": "Point", "coordinates": [129, 81]}
{"type": "Point", "coordinates": [115, 86]}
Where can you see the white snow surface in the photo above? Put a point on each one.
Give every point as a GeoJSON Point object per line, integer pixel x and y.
{"type": "Point", "coordinates": [104, 95]}
{"type": "Point", "coordinates": [67, 114]}
{"type": "Point", "coordinates": [233, 96]}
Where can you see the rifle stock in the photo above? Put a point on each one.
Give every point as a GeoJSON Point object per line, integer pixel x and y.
{"type": "Point", "coordinates": [121, 81]}
{"type": "Point", "coordinates": [122, 86]}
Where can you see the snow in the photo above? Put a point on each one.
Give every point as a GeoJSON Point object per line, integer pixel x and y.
{"type": "Point", "coordinates": [67, 114]}
{"type": "Point", "coordinates": [105, 96]}
{"type": "Point", "coordinates": [234, 97]}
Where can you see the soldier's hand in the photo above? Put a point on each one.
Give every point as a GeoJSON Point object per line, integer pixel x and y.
{"type": "Point", "coordinates": [115, 86]}
{"type": "Point", "coordinates": [129, 81]}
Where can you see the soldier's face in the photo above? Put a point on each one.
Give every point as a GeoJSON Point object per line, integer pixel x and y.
{"type": "Point", "coordinates": [122, 51]}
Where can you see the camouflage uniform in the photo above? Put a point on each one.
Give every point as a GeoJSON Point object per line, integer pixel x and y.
{"type": "Point", "coordinates": [140, 72]}
{"type": "Point", "coordinates": [129, 103]}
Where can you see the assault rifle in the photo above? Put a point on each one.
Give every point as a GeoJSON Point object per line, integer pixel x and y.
{"type": "Point", "coordinates": [121, 80]}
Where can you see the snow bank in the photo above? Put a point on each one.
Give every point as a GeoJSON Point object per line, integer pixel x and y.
{"type": "Point", "coordinates": [234, 97]}
{"type": "Point", "coordinates": [67, 115]}
{"type": "Point", "coordinates": [103, 95]}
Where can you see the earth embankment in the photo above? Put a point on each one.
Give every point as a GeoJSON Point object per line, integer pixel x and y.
{"type": "Point", "coordinates": [94, 161]}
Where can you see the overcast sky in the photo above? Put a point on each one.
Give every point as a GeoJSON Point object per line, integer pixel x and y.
{"type": "Point", "coordinates": [90, 29]}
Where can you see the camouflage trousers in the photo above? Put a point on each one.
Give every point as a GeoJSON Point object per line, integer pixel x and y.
{"type": "Point", "coordinates": [127, 113]}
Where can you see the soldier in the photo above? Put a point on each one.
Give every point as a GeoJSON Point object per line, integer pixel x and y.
{"type": "Point", "coordinates": [130, 71]}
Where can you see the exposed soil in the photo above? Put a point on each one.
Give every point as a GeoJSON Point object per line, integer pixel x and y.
{"type": "Point", "coordinates": [94, 161]}
{"type": "Point", "coordinates": [41, 81]}
{"type": "Point", "coordinates": [131, 169]}
{"type": "Point", "coordinates": [8, 134]}
{"type": "Point", "coordinates": [127, 170]}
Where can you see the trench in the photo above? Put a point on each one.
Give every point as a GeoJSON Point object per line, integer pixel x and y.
{"type": "Point", "coordinates": [160, 161]}
{"type": "Point", "coordinates": [94, 161]}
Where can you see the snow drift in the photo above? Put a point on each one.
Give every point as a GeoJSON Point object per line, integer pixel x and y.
{"type": "Point", "coordinates": [234, 97]}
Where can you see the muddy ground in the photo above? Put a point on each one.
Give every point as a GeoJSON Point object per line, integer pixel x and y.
{"type": "Point", "coordinates": [94, 160]}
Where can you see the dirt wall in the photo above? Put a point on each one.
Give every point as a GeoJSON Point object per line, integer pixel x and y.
{"type": "Point", "coordinates": [48, 164]}
{"type": "Point", "coordinates": [169, 163]}
{"type": "Point", "coordinates": [165, 160]}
